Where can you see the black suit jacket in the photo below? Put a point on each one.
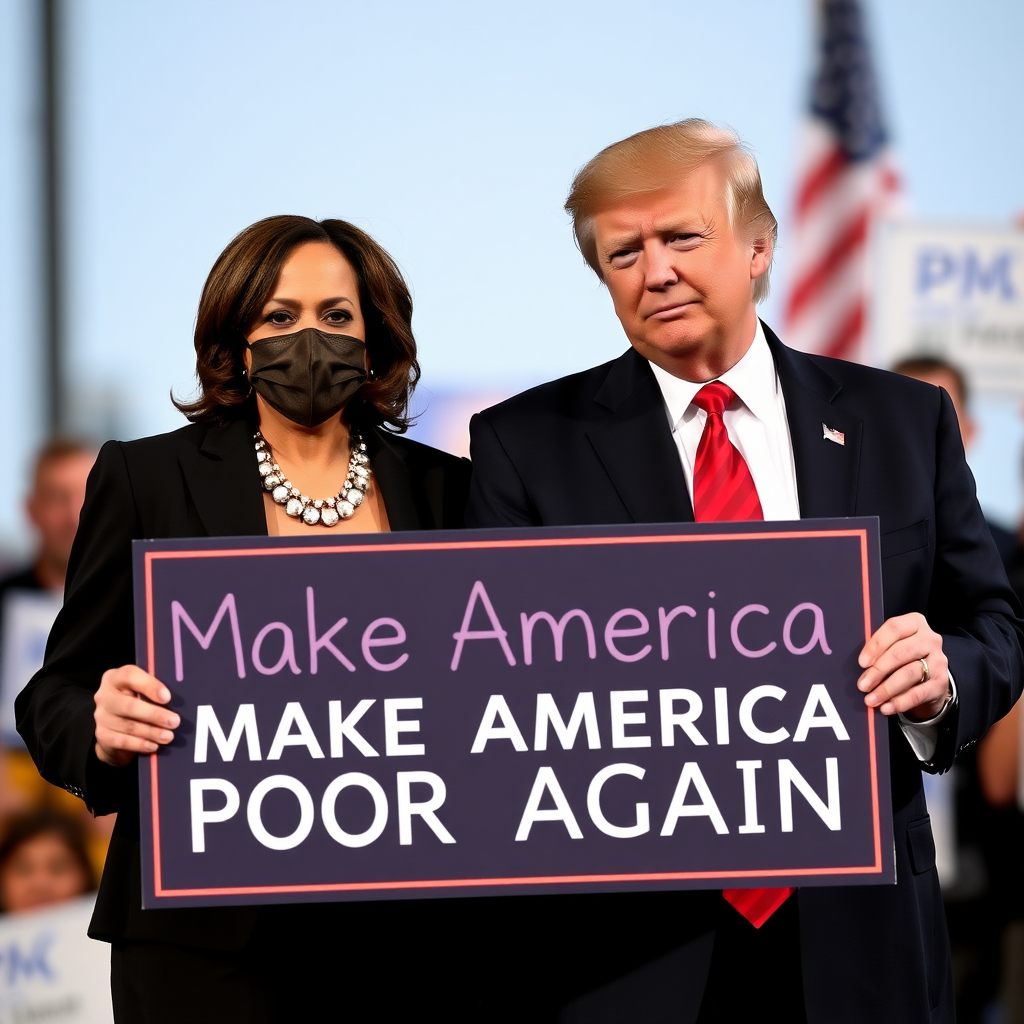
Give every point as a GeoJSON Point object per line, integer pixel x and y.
{"type": "Point", "coordinates": [199, 481]}
{"type": "Point", "coordinates": [597, 448]}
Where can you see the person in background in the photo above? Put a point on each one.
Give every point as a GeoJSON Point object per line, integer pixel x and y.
{"type": "Point", "coordinates": [943, 374]}
{"type": "Point", "coordinates": [985, 902]}
{"type": "Point", "coordinates": [998, 771]}
{"type": "Point", "coordinates": [43, 860]}
{"type": "Point", "coordinates": [52, 507]}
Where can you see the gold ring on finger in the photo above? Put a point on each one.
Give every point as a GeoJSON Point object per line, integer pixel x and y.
{"type": "Point", "coordinates": [926, 673]}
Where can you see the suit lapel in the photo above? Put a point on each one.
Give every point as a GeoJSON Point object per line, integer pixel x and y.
{"type": "Point", "coordinates": [635, 445]}
{"type": "Point", "coordinates": [395, 479]}
{"type": "Point", "coordinates": [224, 483]}
{"type": "Point", "coordinates": [826, 472]}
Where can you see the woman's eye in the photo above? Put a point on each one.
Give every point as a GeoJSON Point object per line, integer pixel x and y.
{"type": "Point", "coordinates": [279, 316]}
{"type": "Point", "coordinates": [337, 316]}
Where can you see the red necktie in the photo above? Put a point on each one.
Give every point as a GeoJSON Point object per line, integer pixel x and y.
{"type": "Point", "coordinates": [724, 491]}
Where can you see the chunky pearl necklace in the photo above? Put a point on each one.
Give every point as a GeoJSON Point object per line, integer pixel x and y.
{"type": "Point", "coordinates": [326, 512]}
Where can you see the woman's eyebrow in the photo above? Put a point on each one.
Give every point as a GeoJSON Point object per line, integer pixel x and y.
{"type": "Point", "coordinates": [296, 304]}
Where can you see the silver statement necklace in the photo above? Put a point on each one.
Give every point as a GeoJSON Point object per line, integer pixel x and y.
{"type": "Point", "coordinates": [313, 512]}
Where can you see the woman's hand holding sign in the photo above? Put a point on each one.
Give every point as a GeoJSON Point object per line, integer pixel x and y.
{"type": "Point", "coordinates": [129, 719]}
{"type": "Point", "coordinates": [905, 671]}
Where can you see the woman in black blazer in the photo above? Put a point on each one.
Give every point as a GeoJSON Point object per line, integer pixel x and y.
{"type": "Point", "coordinates": [305, 360]}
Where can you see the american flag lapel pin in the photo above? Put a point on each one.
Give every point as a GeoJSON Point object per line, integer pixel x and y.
{"type": "Point", "coordinates": [833, 435]}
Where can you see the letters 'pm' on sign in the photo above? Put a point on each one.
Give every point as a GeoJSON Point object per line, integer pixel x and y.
{"type": "Point", "coordinates": [490, 712]}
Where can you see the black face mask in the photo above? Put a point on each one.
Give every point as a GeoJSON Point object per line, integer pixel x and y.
{"type": "Point", "coordinates": [310, 375]}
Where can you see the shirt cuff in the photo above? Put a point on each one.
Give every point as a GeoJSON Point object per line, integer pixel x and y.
{"type": "Point", "coordinates": [923, 737]}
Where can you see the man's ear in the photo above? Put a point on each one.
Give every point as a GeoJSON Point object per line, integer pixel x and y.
{"type": "Point", "coordinates": [761, 257]}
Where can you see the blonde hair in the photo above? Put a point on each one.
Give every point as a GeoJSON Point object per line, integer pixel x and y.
{"type": "Point", "coordinates": [652, 160]}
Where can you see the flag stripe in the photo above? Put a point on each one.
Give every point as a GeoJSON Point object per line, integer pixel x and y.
{"type": "Point", "coordinates": [817, 180]}
{"type": "Point", "coordinates": [845, 246]}
{"type": "Point", "coordinates": [845, 186]}
{"type": "Point", "coordinates": [847, 333]}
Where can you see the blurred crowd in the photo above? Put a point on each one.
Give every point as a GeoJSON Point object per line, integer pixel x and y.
{"type": "Point", "coordinates": [982, 802]}
{"type": "Point", "coordinates": [52, 849]}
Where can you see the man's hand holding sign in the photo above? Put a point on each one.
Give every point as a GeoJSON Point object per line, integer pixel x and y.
{"type": "Point", "coordinates": [905, 671]}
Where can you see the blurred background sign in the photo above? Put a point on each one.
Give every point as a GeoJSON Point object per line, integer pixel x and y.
{"type": "Point", "coordinates": [25, 620]}
{"type": "Point", "coordinates": [50, 970]}
{"type": "Point", "coordinates": [957, 293]}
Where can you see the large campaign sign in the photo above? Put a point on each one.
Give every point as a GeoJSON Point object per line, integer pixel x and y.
{"type": "Point", "coordinates": [490, 712]}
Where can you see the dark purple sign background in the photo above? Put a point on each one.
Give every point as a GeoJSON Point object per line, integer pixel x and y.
{"type": "Point", "coordinates": [781, 779]}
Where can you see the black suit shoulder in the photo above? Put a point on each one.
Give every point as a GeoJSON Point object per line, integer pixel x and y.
{"type": "Point", "coordinates": [575, 393]}
{"type": "Point", "coordinates": [424, 488]}
{"type": "Point", "coordinates": [187, 438]}
{"type": "Point", "coordinates": [146, 457]}
{"type": "Point", "coordinates": [142, 475]}
{"type": "Point", "coordinates": [426, 462]}
{"type": "Point", "coordinates": [874, 384]}
{"type": "Point", "coordinates": [146, 474]}
{"type": "Point", "coordinates": [143, 452]}
{"type": "Point", "coordinates": [568, 398]}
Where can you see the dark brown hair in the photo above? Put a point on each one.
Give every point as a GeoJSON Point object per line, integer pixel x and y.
{"type": "Point", "coordinates": [23, 828]}
{"type": "Point", "coordinates": [242, 280]}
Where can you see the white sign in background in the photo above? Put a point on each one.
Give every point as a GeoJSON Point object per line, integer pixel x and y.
{"type": "Point", "coordinates": [957, 293]}
{"type": "Point", "coordinates": [50, 970]}
{"type": "Point", "coordinates": [27, 616]}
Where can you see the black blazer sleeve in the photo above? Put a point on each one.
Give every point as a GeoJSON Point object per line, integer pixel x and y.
{"type": "Point", "coordinates": [92, 633]}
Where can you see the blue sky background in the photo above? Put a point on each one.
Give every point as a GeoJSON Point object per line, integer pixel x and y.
{"type": "Point", "coordinates": [449, 131]}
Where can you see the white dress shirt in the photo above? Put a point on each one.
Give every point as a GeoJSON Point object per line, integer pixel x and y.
{"type": "Point", "coordinates": [758, 426]}
{"type": "Point", "coordinates": [759, 429]}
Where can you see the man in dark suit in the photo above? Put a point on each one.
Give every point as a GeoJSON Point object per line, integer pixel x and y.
{"type": "Point", "coordinates": [708, 402]}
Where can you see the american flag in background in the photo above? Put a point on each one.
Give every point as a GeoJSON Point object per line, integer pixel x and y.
{"type": "Point", "coordinates": [846, 183]}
